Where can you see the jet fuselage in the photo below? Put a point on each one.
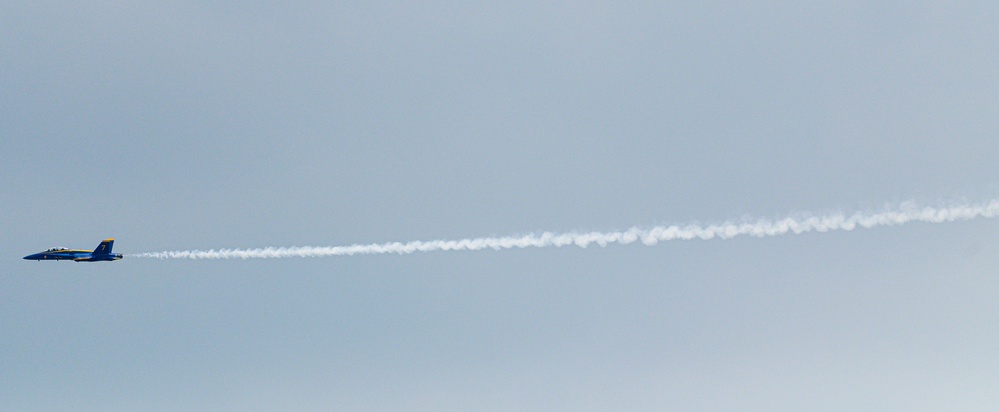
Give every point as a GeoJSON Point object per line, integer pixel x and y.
{"type": "Point", "coordinates": [102, 253]}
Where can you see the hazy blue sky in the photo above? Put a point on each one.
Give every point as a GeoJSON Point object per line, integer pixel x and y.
{"type": "Point", "coordinates": [204, 125]}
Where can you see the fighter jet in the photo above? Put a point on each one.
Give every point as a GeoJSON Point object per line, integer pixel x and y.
{"type": "Point", "coordinates": [103, 252]}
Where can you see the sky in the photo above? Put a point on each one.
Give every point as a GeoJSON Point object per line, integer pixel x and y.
{"type": "Point", "coordinates": [199, 125]}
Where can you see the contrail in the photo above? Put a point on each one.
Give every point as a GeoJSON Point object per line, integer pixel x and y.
{"type": "Point", "coordinates": [800, 223]}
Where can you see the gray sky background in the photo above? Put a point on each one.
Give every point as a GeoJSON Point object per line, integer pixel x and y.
{"type": "Point", "coordinates": [204, 125]}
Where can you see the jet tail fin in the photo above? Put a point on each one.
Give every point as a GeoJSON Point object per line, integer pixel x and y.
{"type": "Point", "coordinates": [105, 247]}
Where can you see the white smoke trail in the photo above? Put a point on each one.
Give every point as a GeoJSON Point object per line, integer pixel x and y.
{"type": "Point", "coordinates": [904, 213]}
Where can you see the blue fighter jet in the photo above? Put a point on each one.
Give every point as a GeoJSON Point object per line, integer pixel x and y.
{"type": "Point", "coordinates": [102, 253]}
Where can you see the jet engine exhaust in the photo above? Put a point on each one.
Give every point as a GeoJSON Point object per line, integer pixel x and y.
{"type": "Point", "coordinates": [796, 224]}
